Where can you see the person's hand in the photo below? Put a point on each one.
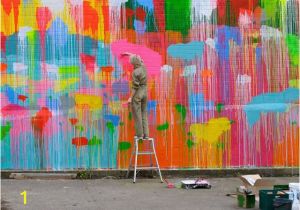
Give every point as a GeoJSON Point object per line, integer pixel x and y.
{"type": "Point", "coordinates": [126, 54]}
{"type": "Point", "coordinates": [129, 100]}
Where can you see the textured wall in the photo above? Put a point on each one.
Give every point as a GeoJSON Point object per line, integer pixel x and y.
{"type": "Point", "coordinates": [223, 82]}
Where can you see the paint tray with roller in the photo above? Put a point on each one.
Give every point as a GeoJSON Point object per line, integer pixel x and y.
{"type": "Point", "coordinates": [195, 184]}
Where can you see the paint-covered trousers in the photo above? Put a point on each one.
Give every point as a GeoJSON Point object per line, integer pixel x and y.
{"type": "Point", "coordinates": [139, 112]}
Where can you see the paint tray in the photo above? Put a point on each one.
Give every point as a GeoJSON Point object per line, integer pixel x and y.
{"type": "Point", "coordinates": [195, 184]}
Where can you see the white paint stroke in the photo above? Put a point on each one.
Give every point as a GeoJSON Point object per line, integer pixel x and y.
{"type": "Point", "coordinates": [166, 68]}
{"type": "Point", "coordinates": [17, 67]}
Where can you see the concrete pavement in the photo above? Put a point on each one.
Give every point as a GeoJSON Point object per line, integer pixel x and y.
{"type": "Point", "coordinates": [111, 194]}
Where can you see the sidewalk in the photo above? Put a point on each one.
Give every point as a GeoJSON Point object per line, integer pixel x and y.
{"type": "Point", "coordinates": [119, 194]}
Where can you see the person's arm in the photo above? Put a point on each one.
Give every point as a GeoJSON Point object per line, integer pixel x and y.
{"type": "Point", "coordinates": [126, 54]}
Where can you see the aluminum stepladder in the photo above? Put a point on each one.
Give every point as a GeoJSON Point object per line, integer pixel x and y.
{"type": "Point", "coordinates": [135, 152]}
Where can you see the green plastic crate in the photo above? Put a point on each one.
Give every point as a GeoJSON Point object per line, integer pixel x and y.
{"type": "Point", "coordinates": [281, 187]}
{"type": "Point", "coordinates": [266, 198]}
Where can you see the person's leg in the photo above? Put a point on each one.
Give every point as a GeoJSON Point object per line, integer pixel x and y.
{"type": "Point", "coordinates": [137, 116]}
{"type": "Point", "coordinates": [145, 114]}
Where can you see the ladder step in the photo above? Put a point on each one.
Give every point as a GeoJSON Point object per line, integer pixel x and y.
{"type": "Point", "coordinates": [146, 168]}
{"type": "Point", "coordinates": [149, 139]}
{"type": "Point", "coordinates": [145, 153]}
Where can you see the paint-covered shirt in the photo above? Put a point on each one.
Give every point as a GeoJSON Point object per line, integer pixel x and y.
{"type": "Point", "coordinates": [139, 77]}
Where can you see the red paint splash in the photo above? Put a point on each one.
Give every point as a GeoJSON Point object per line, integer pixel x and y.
{"type": "Point", "coordinates": [89, 62]}
{"type": "Point", "coordinates": [41, 118]}
{"type": "Point", "coordinates": [105, 11]}
{"type": "Point", "coordinates": [129, 13]}
{"type": "Point", "coordinates": [7, 6]}
{"type": "Point", "coordinates": [3, 41]}
{"type": "Point", "coordinates": [159, 11]}
{"type": "Point", "coordinates": [206, 82]}
{"type": "Point", "coordinates": [107, 69]}
{"type": "Point", "coordinates": [43, 17]}
{"type": "Point", "coordinates": [234, 7]}
{"type": "Point", "coordinates": [140, 14]}
{"type": "Point", "coordinates": [73, 121]}
{"type": "Point", "coordinates": [80, 141]}
{"type": "Point", "coordinates": [3, 67]}
{"type": "Point", "coordinates": [16, 5]}
{"type": "Point", "coordinates": [90, 17]}
{"type": "Point", "coordinates": [22, 97]}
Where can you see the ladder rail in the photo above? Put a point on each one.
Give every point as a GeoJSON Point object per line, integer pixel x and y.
{"type": "Point", "coordinates": [137, 153]}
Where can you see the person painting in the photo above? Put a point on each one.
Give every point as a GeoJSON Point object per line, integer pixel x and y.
{"type": "Point", "coordinates": [138, 96]}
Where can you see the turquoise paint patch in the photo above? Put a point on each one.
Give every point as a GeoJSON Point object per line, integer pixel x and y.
{"type": "Point", "coordinates": [187, 51]}
{"type": "Point", "coordinates": [270, 102]}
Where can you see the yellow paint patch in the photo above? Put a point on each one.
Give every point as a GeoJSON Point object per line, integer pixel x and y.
{"type": "Point", "coordinates": [295, 83]}
{"type": "Point", "coordinates": [88, 101]}
{"type": "Point", "coordinates": [115, 107]}
{"type": "Point", "coordinates": [13, 80]}
{"type": "Point", "coordinates": [61, 85]}
{"type": "Point", "coordinates": [210, 131]}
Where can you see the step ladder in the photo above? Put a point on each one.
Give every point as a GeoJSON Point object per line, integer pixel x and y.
{"type": "Point", "coordinates": [135, 152]}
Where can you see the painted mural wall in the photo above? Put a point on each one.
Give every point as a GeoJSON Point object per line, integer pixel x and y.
{"type": "Point", "coordinates": [223, 82]}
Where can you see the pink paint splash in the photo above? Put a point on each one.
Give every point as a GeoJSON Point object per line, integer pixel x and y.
{"type": "Point", "coordinates": [40, 86]}
{"type": "Point", "coordinates": [13, 110]}
{"type": "Point", "coordinates": [3, 100]}
{"type": "Point", "coordinates": [152, 59]}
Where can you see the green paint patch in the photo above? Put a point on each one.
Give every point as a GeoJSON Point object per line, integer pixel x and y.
{"type": "Point", "coordinates": [178, 17]}
{"type": "Point", "coordinates": [130, 116]}
{"type": "Point", "coordinates": [220, 146]}
{"type": "Point", "coordinates": [231, 122]}
{"type": "Point", "coordinates": [190, 143]}
{"type": "Point", "coordinates": [111, 127]}
{"type": "Point", "coordinates": [121, 123]}
{"type": "Point", "coordinates": [294, 123]}
{"type": "Point", "coordinates": [219, 107]}
{"type": "Point", "coordinates": [273, 12]}
{"type": "Point", "coordinates": [33, 38]}
{"type": "Point", "coordinates": [68, 72]}
{"type": "Point", "coordinates": [5, 129]}
{"type": "Point", "coordinates": [162, 127]}
{"type": "Point", "coordinates": [255, 40]}
{"type": "Point", "coordinates": [124, 145]}
{"type": "Point", "coordinates": [79, 127]}
{"type": "Point", "coordinates": [94, 141]}
{"type": "Point", "coordinates": [295, 83]}
{"type": "Point", "coordinates": [292, 42]}
{"type": "Point", "coordinates": [189, 133]}
{"type": "Point", "coordinates": [182, 110]}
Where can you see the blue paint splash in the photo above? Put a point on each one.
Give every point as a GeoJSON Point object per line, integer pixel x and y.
{"type": "Point", "coordinates": [120, 87]}
{"type": "Point", "coordinates": [270, 102]}
{"type": "Point", "coordinates": [114, 119]}
{"type": "Point", "coordinates": [140, 27]}
{"type": "Point", "coordinates": [146, 3]}
{"type": "Point", "coordinates": [187, 51]}
{"type": "Point", "coordinates": [224, 35]}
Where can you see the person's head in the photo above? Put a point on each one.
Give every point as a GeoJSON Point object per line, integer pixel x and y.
{"type": "Point", "coordinates": [136, 61]}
